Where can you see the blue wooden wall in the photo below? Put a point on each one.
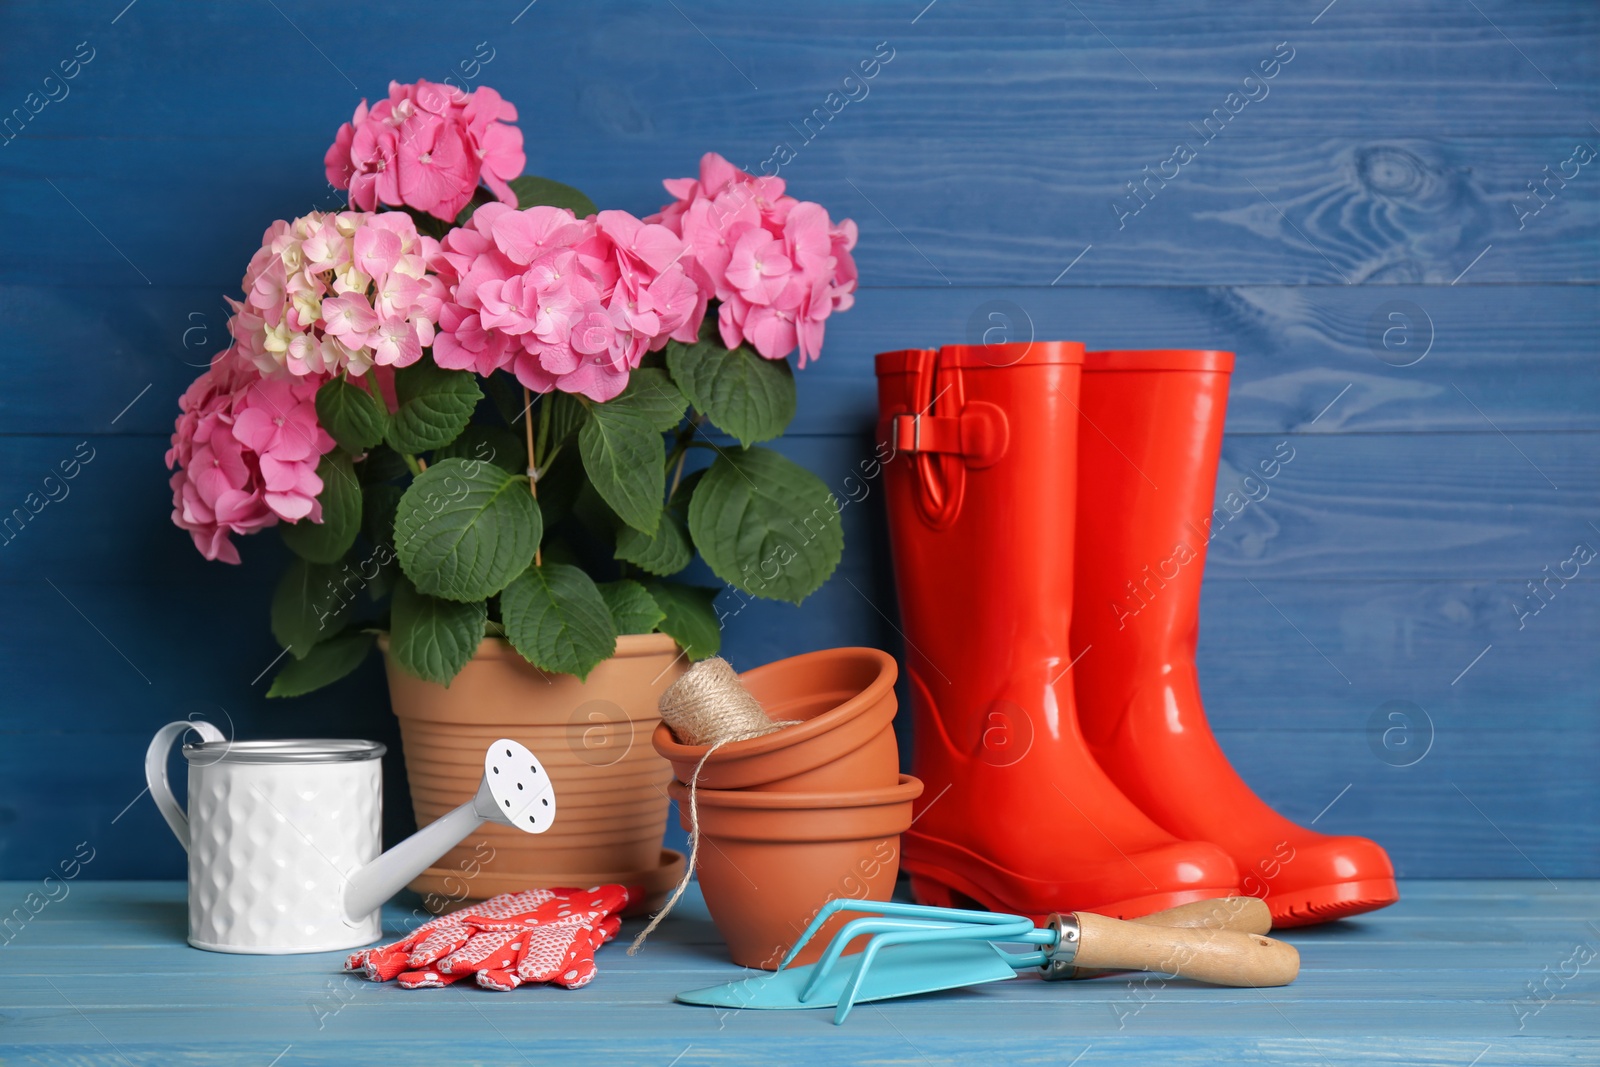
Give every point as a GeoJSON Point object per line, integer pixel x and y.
{"type": "Point", "coordinates": [1371, 205]}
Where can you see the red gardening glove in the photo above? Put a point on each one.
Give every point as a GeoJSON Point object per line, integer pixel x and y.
{"type": "Point", "coordinates": [540, 935]}
{"type": "Point", "coordinates": [428, 942]}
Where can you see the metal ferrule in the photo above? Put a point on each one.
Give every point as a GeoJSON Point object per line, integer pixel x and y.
{"type": "Point", "coordinates": [1059, 964]}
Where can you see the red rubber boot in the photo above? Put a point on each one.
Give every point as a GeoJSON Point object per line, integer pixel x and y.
{"type": "Point", "coordinates": [1148, 448]}
{"type": "Point", "coordinates": [1015, 814]}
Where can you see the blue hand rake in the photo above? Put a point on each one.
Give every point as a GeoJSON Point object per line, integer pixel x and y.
{"type": "Point", "coordinates": [916, 949]}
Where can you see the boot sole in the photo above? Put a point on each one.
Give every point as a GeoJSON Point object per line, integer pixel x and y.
{"type": "Point", "coordinates": [945, 889]}
{"type": "Point", "coordinates": [1325, 903]}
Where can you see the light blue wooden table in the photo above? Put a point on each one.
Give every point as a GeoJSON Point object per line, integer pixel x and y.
{"type": "Point", "coordinates": [1460, 973]}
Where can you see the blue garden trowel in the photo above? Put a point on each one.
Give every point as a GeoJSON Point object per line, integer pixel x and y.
{"type": "Point", "coordinates": [915, 949]}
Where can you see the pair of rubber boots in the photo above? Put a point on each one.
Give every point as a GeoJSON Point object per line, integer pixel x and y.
{"type": "Point", "coordinates": [1049, 512]}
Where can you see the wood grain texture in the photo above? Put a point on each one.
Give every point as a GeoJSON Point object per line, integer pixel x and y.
{"type": "Point", "coordinates": [104, 974]}
{"type": "Point", "coordinates": [1424, 507]}
{"type": "Point", "coordinates": [1444, 66]}
{"type": "Point", "coordinates": [988, 151]}
{"type": "Point", "coordinates": [1523, 354]}
{"type": "Point", "coordinates": [1263, 208]}
{"type": "Point", "coordinates": [1386, 173]}
{"type": "Point", "coordinates": [1248, 915]}
{"type": "Point", "coordinates": [1219, 957]}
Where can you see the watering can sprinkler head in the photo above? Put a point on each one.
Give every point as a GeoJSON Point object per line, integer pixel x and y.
{"type": "Point", "coordinates": [515, 791]}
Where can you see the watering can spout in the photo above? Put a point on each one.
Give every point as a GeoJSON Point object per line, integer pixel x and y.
{"type": "Point", "coordinates": [515, 791]}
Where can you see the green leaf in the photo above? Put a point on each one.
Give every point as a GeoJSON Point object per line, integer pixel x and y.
{"type": "Point", "coordinates": [465, 528]}
{"type": "Point", "coordinates": [756, 512]}
{"type": "Point", "coordinates": [750, 397]}
{"type": "Point", "coordinates": [355, 418]}
{"type": "Point", "coordinates": [309, 605]}
{"type": "Point", "coordinates": [633, 610]}
{"type": "Point", "coordinates": [433, 638]}
{"type": "Point", "coordinates": [435, 406]}
{"type": "Point", "coordinates": [665, 552]}
{"type": "Point", "coordinates": [668, 550]}
{"type": "Point", "coordinates": [622, 448]}
{"type": "Point", "coordinates": [690, 618]}
{"type": "Point", "coordinates": [325, 664]}
{"type": "Point", "coordinates": [327, 541]}
{"type": "Point", "coordinates": [652, 395]}
{"type": "Point", "coordinates": [489, 443]}
{"type": "Point", "coordinates": [556, 617]}
{"type": "Point", "coordinates": [532, 192]}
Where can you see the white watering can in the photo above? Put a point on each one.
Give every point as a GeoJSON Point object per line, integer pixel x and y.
{"type": "Point", "coordinates": [284, 836]}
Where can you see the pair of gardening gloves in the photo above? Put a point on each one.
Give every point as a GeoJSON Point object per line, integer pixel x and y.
{"type": "Point", "coordinates": [538, 935]}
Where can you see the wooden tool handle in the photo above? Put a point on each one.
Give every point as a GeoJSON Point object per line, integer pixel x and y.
{"type": "Point", "coordinates": [1247, 915]}
{"type": "Point", "coordinates": [1222, 957]}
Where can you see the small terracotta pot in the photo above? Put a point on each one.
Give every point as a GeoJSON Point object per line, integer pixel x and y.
{"type": "Point", "coordinates": [610, 785]}
{"type": "Point", "coordinates": [770, 859]}
{"type": "Point", "coordinates": [846, 742]}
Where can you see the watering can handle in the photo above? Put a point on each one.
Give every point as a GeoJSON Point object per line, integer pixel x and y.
{"type": "Point", "coordinates": [155, 772]}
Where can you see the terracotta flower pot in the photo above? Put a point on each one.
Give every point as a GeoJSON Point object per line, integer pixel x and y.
{"type": "Point", "coordinates": [610, 785]}
{"type": "Point", "coordinates": [771, 859]}
{"type": "Point", "coordinates": [846, 742]}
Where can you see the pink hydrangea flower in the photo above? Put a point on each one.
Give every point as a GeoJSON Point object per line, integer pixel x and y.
{"type": "Point", "coordinates": [562, 302]}
{"type": "Point", "coordinates": [427, 147]}
{"type": "Point", "coordinates": [777, 266]}
{"type": "Point", "coordinates": [245, 452]}
{"type": "Point", "coordinates": [338, 292]}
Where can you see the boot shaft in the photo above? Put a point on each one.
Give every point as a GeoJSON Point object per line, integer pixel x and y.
{"type": "Point", "coordinates": [981, 493]}
{"type": "Point", "coordinates": [1149, 445]}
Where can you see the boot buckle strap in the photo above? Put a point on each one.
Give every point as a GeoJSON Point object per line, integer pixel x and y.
{"type": "Point", "coordinates": [927, 433]}
{"type": "Point", "coordinates": [979, 434]}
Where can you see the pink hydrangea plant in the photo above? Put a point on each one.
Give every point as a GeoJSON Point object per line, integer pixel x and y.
{"type": "Point", "coordinates": [562, 302]}
{"type": "Point", "coordinates": [245, 451]}
{"type": "Point", "coordinates": [340, 291]}
{"type": "Point", "coordinates": [777, 266]}
{"type": "Point", "coordinates": [427, 147]}
{"type": "Point", "coordinates": [360, 309]}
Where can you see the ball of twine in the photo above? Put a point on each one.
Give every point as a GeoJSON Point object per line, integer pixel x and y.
{"type": "Point", "coordinates": [707, 706]}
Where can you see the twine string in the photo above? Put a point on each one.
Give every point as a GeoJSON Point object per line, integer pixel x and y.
{"type": "Point", "coordinates": [707, 706]}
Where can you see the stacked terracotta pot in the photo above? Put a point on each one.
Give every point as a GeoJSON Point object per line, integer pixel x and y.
{"type": "Point", "coordinates": [803, 815]}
